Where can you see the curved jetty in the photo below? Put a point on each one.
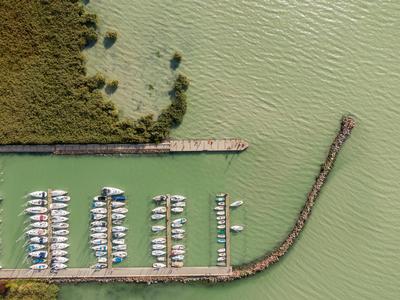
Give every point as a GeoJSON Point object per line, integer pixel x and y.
{"type": "Point", "coordinates": [187, 274]}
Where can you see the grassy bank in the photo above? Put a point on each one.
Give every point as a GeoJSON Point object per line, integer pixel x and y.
{"type": "Point", "coordinates": [45, 95]}
{"type": "Point", "coordinates": [32, 290]}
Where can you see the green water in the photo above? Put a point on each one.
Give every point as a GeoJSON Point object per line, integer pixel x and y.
{"type": "Point", "coordinates": [279, 74]}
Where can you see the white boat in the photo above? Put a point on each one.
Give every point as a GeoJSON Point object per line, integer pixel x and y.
{"type": "Point", "coordinates": [178, 204]}
{"type": "Point", "coordinates": [57, 193]}
{"type": "Point", "coordinates": [60, 259]}
{"type": "Point", "coordinates": [60, 225]}
{"type": "Point", "coordinates": [59, 253]}
{"type": "Point", "coordinates": [117, 216]}
{"type": "Point", "coordinates": [158, 246]}
{"type": "Point", "coordinates": [119, 229]}
{"type": "Point", "coordinates": [118, 241]}
{"type": "Point", "coordinates": [236, 203]}
{"type": "Point", "coordinates": [98, 229]}
{"type": "Point", "coordinates": [121, 254]}
{"type": "Point", "coordinates": [219, 208]}
{"type": "Point", "coordinates": [100, 253]}
{"type": "Point", "coordinates": [111, 191]}
{"type": "Point", "coordinates": [160, 198]}
{"type": "Point", "coordinates": [178, 257]}
{"type": "Point", "coordinates": [177, 198]}
{"type": "Point", "coordinates": [221, 226]}
{"type": "Point", "coordinates": [221, 264]}
{"type": "Point", "coordinates": [40, 224]}
{"type": "Point", "coordinates": [61, 232]}
{"type": "Point", "coordinates": [221, 218]}
{"type": "Point", "coordinates": [237, 228]}
{"type": "Point", "coordinates": [98, 241]}
{"type": "Point", "coordinates": [158, 265]}
{"type": "Point", "coordinates": [157, 228]}
{"type": "Point", "coordinates": [58, 266]}
{"type": "Point", "coordinates": [98, 216]}
{"type": "Point", "coordinates": [58, 205]}
{"type": "Point", "coordinates": [38, 254]}
{"type": "Point", "coordinates": [38, 194]}
{"type": "Point", "coordinates": [220, 213]}
{"type": "Point", "coordinates": [221, 222]}
{"type": "Point", "coordinates": [221, 258]}
{"type": "Point", "coordinates": [221, 236]}
{"type": "Point", "coordinates": [177, 209]}
{"type": "Point", "coordinates": [177, 236]}
{"type": "Point", "coordinates": [221, 250]}
{"type": "Point", "coordinates": [39, 266]}
{"type": "Point", "coordinates": [221, 203]}
{"type": "Point", "coordinates": [37, 232]}
{"type": "Point", "coordinates": [177, 264]}
{"type": "Point", "coordinates": [178, 247]}
{"type": "Point", "coordinates": [176, 225]}
{"type": "Point", "coordinates": [160, 258]}
{"type": "Point", "coordinates": [39, 239]}
{"type": "Point", "coordinates": [117, 222]}
{"type": "Point", "coordinates": [157, 216]}
{"type": "Point", "coordinates": [62, 198]}
{"type": "Point", "coordinates": [36, 210]}
{"type": "Point", "coordinates": [59, 246]}
{"type": "Point", "coordinates": [116, 204]}
{"type": "Point", "coordinates": [178, 252]}
{"type": "Point", "coordinates": [37, 202]}
{"type": "Point", "coordinates": [160, 210]}
{"type": "Point", "coordinates": [99, 198]}
{"type": "Point", "coordinates": [99, 204]}
{"type": "Point", "coordinates": [181, 221]}
{"type": "Point", "coordinates": [100, 248]}
{"type": "Point", "coordinates": [98, 223]}
{"type": "Point", "coordinates": [59, 239]}
{"type": "Point", "coordinates": [99, 266]}
{"type": "Point", "coordinates": [222, 254]}
{"type": "Point", "coordinates": [59, 219]}
{"type": "Point", "coordinates": [99, 210]}
{"type": "Point", "coordinates": [60, 212]}
{"type": "Point", "coordinates": [119, 235]}
{"type": "Point", "coordinates": [178, 230]}
{"type": "Point", "coordinates": [98, 235]}
{"type": "Point", "coordinates": [102, 260]}
{"type": "Point", "coordinates": [120, 210]}
{"type": "Point", "coordinates": [159, 241]}
{"type": "Point", "coordinates": [35, 247]}
{"type": "Point", "coordinates": [158, 253]}
{"type": "Point", "coordinates": [119, 247]}
{"type": "Point", "coordinates": [39, 217]}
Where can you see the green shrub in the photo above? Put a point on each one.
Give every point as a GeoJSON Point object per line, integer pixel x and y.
{"type": "Point", "coordinates": [34, 290]}
{"type": "Point", "coordinates": [111, 35]}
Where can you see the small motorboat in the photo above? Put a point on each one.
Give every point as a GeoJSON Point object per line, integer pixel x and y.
{"type": "Point", "coordinates": [119, 235]}
{"type": "Point", "coordinates": [117, 216]}
{"type": "Point", "coordinates": [39, 239]}
{"type": "Point", "coordinates": [118, 198]}
{"type": "Point", "coordinates": [236, 203]}
{"type": "Point", "coordinates": [221, 222]}
{"type": "Point", "coordinates": [35, 247]}
{"type": "Point", "coordinates": [100, 210]}
{"type": "Point", "coordinates": [159, 210]}
{"type": "Point", "coordinates": [37, 232]}
{"type": "Point", "coordinates": [38, 194]}
{"type": "Point", "coordinates": [158, 252]}
{"type": "Point", "coordinates": [111, 191]}
{"type": "Point", "coordinates": [121, 254]}
{"type": "Point", "coordinates": [178, 252]}
{"type": "Point", "coordinates": [62, 198]}
{"type": "Point", "coordinates": [222, 254]}
{"type": "Point", "coordinates": [39, 217]}
{"type": "Point", "coordinates": [221, 264]}
{"type": "Point", "coordinates": [178, 247]}
{"type": "Point", "coordinates": [98, 229]}
{"type": "Point", "coordinates": [59, 219]}
{"type": "Point", "coordinates": [221, 236]}
{"type": "Point", "coordinates": [178, 257]}
{"type": "Point", "coordinates": [177, 264]}
{"type": "Point", "coordinates": [177, 209]}
{"type": "Point", "coordinates": [119, 247]}
{"type": "Point", "coordinates": [40, 202]}
{"type": "Point", "coordinates": [58, 205]}
{"type": "Point", "coordinates": [57, 193]}
{"type": "Point", "coordinates": [221, 226]}
{"type": "Point", "coordinates": [98, 241]}
{"type": "Point", "coordinates": [61, 232]}
{"type": "Point", "coordinates": [219, 208]}
{"type": "Point", "coordinates": [178, 230]}
{"type": "Point", "coordinates": [38, 260]}
{"type": "Point", "coordinates": [180, 221]}
{"type": "Point", "coordinates": [98, 235]}
{"type": "Point", "coordinates": [59, 246]}
{"type": "Point", "coordinates": [116, 204]}
{"type": "Point", "coordinates": [102, 259]}
{"type": "Point", "coordinates": [39, 266]}
{"type": "Point", "coordinates": [98, 216]}
{"type": "Point", "coordinates": [221, 241]}
{"type": "Point", "coordinates": [98, 223]}
{"type": "Point", "coordinates": [40, 224]}
{"type": "Point", "coordinates": [221, 218]}
{"type": "Point", "coordinates": [158, 241]}
{"type": "Point", "coordinates": [60, 226]}
{"type": "Point", "coordinates": [178, 198]}
{"type": "Point", "coordinates": [160, 258]}
{"type": "Point", "coordinates": [157, 228]}
{"type": "Point", "coordinates": [158, 265]}
{"type": "Point", "coordinates": [96, 204]}
{"type": "Point", "coordinates": [158, 246]}
{"type": "Point", "coordinates": [60, 259]}
{"type": "Point", "coordinates": [58, 266]}
{"type": "Point", "coordinates": [237, 228]}
{"type": "Point", "coordinates": [59, 212]}
{"type": "Point", "coordinates": [178, 204]}
{"type": "Point", "coordinates": [157, 216]}
{"type": "Point", "coordinates": [119, 229]}
{"type": "Point", "coordinates": [221, 203]}
{"type": "Point", "coordinates": [36, 210]}
{"type": "Point", "coordinates": [221, 231]}
{"type": "Point", "coordinates": [177, 236]}
{"type": "Point", "coordinates": [221, 250]}
{"type": "Point", "coordinates": [38, 254]}
{"type": "Point", "coordinates": [120, 210]}
{"type": "Point", "coordinates": [220, 213]}
{"type": "Point", "coordinates": [160, 198]}
{"type": "Point", "coordinates": [59, 239]}
{"type": "Point", "coordinates": [176, 225]}
{"type": "Point", "coordinates": [117, 260]}
{"type": "Point", "coordinates": [100, 248]}
{"type": "Point", "coordinates": [100, 253]}
{"type": "Point", "coordinates": [99, 266]}
{"type": "Point", "coordinates": [221, 195]}
{"type": "Point", "coordinates": [117, 222]}
{"type": "Point", "coordinates": [99, 198]}
{"type": "Point", "coordinates": [118, 241]}
{"type": "Point", "coordinates": [221, 258]}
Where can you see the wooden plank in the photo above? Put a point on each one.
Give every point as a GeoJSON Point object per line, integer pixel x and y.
{"type": "Point", "coordinates": [109, 233]}
{"type": "Point", "coordinates": [50, 228]}
{"type": "Point", "coordinates": [228, 230]}
{"type": "Point", "coordinates": [168, 231]}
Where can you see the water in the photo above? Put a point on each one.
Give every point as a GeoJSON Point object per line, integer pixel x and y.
{"type": "Point", "coordinates": [280, 75]}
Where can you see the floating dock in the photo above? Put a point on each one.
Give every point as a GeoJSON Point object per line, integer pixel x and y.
{"type": "Point", "coordinates": [168, 231]}
{"type": "Point", "coordinates": [169, 146]}
{"type": "Point", "coordinates": [50, 228]}
{"type": "Point", "coordinates": [109, 233]}
{"type": "Point", "coordinates": [228, 230]}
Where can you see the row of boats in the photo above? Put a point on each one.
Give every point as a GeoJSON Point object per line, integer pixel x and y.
{"type": "Point", "coordinates": [108, 207]}
{"type": "Point", "coordinates": [48, 230]}
{"type": "Point", "coordinates": [158, 244]}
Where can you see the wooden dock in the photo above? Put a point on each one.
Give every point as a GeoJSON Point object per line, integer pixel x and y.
{"type": "Point", "coordinates": [168, 232]}
{"type": "Point", "coordinates": [169, 146]}
{"type": "Point", "coordinates": [228, 230]}
{"type": "Point", "coordinates": [50, 228]}
{"type": "Point", "coordinates": [109, 233]}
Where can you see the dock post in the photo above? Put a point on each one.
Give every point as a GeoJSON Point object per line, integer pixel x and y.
{"type": "Point", "coordinates": [227, 230]}
{"type": "Point", "coordinates": [168, 231]}
{"type": "Point", "coordinates": [49, 228]}
{"type": "Point", "coordinates": [109, 232]}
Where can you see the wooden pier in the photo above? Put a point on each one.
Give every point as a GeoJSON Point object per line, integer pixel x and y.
{"type": "Point", "coordinates": [168, 231]}
{"type": "Point", "coordinates": [109, 232]}
{"type": "Point", "coordinates": [169, 146]}
{"type": "Point", "coordinates": [228, 230]}
{"type": "Point", "coordinates": [50, 228]}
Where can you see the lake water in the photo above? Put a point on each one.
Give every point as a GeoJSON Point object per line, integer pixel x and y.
{"type": "Point", "coordinates": [279, 74]}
